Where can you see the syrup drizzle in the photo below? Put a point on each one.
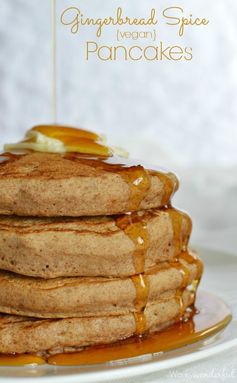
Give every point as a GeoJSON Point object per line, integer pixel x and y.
{"type": "Point", "coordinates": [142, 291]}
{"type": "Point", "coordinates": [138, 180]}
{"type": "Point", "coordinates": [190, 258]}
{"type": "Point", "coordinates": [54, 61]}
{"type": "Point", "coordinates": [169, 186]}
{"type": "Point", "coordinates": [178, 219]}
{"type": "Point", "coordinates": [135, 227]}
{"type": "Point", "coordinates": [180, 303]}
{"type": "Point", "coordinates": [185, 273]}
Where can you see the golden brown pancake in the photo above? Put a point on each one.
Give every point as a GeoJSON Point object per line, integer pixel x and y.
{"type": "Point", "coordinates": [50, 185]}
{"type": "Point", "coordinates": [28, 335]}
{"type": "Point", "coordinates": [94, 246]}
{"type": "Point", "coordinates": [80, 297]}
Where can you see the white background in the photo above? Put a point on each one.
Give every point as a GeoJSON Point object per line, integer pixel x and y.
{"type": "Point", "coordinates": [180, 115]}
{"type": "Point", "coordinates": [181, 112]}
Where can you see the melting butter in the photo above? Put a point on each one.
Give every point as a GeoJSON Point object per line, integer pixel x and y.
{"type": "Point", "coordinates": [38, 142]}
{"type": "Point", "coordinates": [62, 139]}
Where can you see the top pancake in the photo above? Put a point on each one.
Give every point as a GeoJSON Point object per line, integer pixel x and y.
{"type": "Point", "coordinates": [50, 185]}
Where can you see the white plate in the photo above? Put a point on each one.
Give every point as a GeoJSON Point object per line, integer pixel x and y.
{"type": "Point", "coordinates": [219, 267]}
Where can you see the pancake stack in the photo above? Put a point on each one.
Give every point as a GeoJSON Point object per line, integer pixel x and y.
{"type": "Point", "coordinates": [91, 252]}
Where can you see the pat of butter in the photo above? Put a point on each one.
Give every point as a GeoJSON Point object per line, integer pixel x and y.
{"type": "Point", "coordinates": [38, 142]}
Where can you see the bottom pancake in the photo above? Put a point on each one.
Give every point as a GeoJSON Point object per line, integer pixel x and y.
{"type": "Point", "coordinates": [52, 336]}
